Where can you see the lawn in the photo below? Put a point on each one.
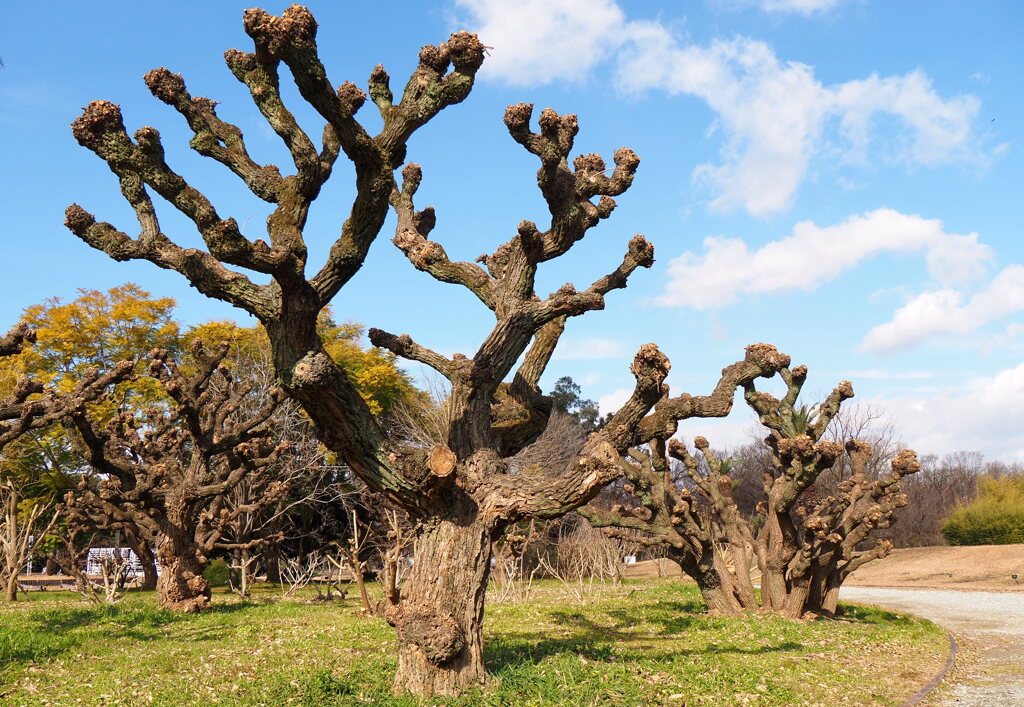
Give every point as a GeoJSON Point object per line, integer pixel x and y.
{"type": "Point", "coordinates": [639, 643]}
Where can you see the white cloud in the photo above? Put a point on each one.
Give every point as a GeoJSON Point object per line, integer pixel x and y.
{"type": "Point", "coordinates": [948, 311]}
{"type": "Point", "coordinates": [801, 7]}
{"type": "Point", "coordinates": [613, 401]}
{"type": "Point", "coordinates": [774, 116]}
{"type": "Point", "coordinates": [985, 418]}
{"type": "Point", "coordinates": [940, 130]}
{"type": "Point", "coordinates": [589, 349]}
{"type": "Point", "coordinates": [813, 255]}
{"type": "Point", "coordinates": [535, 42]}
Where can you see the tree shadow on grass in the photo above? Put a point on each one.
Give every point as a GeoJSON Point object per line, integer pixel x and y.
{"type": "Point", "coordinates": [595, 642]}
{"type": "Point", "coordinates": [139, 622]}
{"type": "Point", "coordinates": [47, 634]}
{"type": "Point", "coordinates": [873, 615]}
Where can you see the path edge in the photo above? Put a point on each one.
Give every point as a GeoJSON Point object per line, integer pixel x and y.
{"type": "Point", "coordinates": [916, 698]}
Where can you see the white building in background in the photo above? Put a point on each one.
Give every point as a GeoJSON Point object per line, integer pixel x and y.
{"type": "Point", "coordinates": [97, 554]}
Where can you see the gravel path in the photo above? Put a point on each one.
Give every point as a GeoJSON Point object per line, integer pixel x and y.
{"type": "Point", "coordinates": [993, 625]}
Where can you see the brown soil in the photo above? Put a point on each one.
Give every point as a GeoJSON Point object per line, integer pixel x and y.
{"type": "Point", "coordinates": [987, 568]}
{"type": "Point", "coordinates": [653, 568]}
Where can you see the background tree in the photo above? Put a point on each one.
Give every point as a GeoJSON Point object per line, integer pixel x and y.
{"type": "Point", "coordinates": [94, 331]}
{"type": "Point", "coordinates": [461, 493]}
{"type": "Point", "coordinates": [566, 397]}
{"type": "Point", "coordinates": [23, 528]}
{"type": "Point", "coordinates": [943, 484]}
{"type": "Point", "coordinates": [995, 517]}
{"type": "Point", "coordinates": [25, 406]}
{"type": "Point", "coordinates": [810, 540]}
{"type": "Point", "coordinates": [167, 473]}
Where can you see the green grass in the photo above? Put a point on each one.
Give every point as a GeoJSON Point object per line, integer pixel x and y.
{"type": "Point", "coordinates": [639, 644]}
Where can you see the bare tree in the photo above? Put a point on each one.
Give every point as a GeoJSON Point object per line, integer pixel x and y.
{"type": "Point", "coordinates": [810, 540]}
{"type": "Point", "coordinates": [461, 492]}
{"type": "Point", "coordinates": [22, 531]}
{"type": "Point", "coordinates": [943, 484]}
{"type": "Point", "coordinates": [168, 473]}
{"type": "Point", "coordinates": [115, 568]}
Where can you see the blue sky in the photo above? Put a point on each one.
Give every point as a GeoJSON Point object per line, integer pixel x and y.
{"type": "Point", "coordinates": [841, 178]}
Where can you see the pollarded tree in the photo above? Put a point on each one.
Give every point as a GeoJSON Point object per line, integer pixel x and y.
{"type": "Point", "coordinates": [460, 492]}
{"type": "Point", "coordinates": [661, 512]}
{"type": "Point", "coordinates": [809, 542]}
{"type": "Point", "coordinates": [835, 527]}
{"type": "Point", "coordinates": [800, 452]}
{"type": "Point", "coordinates": [168, 474]}
{"type": "Point", "coordinates": [95, 330]}
{"type": "Point", "coordinates": [29, 405]}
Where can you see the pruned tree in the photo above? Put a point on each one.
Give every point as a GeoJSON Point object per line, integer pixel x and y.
{"type": "Point", "coordinates": [30, 405]}
{"type": "Point", "coordinates": [800, 452]}
{"type": "Point", "coordinates": [809, 541]}
{"type": "Point", "coordinates": [460, 492]}
{"type": "Point", "coordinates": [167, 474]}
{"type": "Point", "coordinates": [836, 526]}
{"type": "Point", "coordinates": [663, 513]}
{"type": "Point", "coordinates": [22, 531]}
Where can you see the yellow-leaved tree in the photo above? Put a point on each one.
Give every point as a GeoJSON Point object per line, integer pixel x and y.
{"type": "Point", "coordinates": [95, 330]}
{"type": "Point", "coordinates": [374, 371]}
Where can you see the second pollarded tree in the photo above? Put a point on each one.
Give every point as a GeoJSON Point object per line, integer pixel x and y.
{"type": "Point", "coordinates": [807, 543]}
{"type": "Point", "coordinates": [167, 473]}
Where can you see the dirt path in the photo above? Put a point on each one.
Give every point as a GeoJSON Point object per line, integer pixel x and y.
{"type": "Point", "coordinates": [992, 624]}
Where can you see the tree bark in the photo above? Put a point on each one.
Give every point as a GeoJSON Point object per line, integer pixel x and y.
{"type": "Point", "coordinates": [181, 586]}
{"type": "Point", "coordinates": [830, 595]}
{"type": "Point", "coordinates": [796, 601]}
{"type": "Point", "coordinates": [272, 564]}
{"type": "Point", "coordinates": [440, 619]}
{"type": "Point", "coordinates": [778, 551]}
{"type": "Point", "coordinates": [146, 560]}
{"type": "Point", "coordinates": [717, 598]}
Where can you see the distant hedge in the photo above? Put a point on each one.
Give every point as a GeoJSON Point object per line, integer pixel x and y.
{"type": "Point", "coordinates": [996, 517]}
{"type": "Point", "coordinates": [218, 573]}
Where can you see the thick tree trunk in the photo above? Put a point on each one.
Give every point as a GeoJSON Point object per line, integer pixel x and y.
{"type": "Point", "coordinates": [272, 564]}
{"type": "Point", "coordinates": [440, 619]}
{"type": "Point", "coordinates": [717, 598]}
{"type": "Point", "coordinates": [11, 587]}
{"type": "Point", "coordinates": [778, 549]}
{"type": "Point", "coordinates": [181, 586]}
{"type": "Point", "coordinates": [796, 601]}
{"type": "Point", "coordinates": [146, 560]}
{"type": "Point", "coordinates": [149, 573]}
{"type": "Point", "coordinates": [830, 597]}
